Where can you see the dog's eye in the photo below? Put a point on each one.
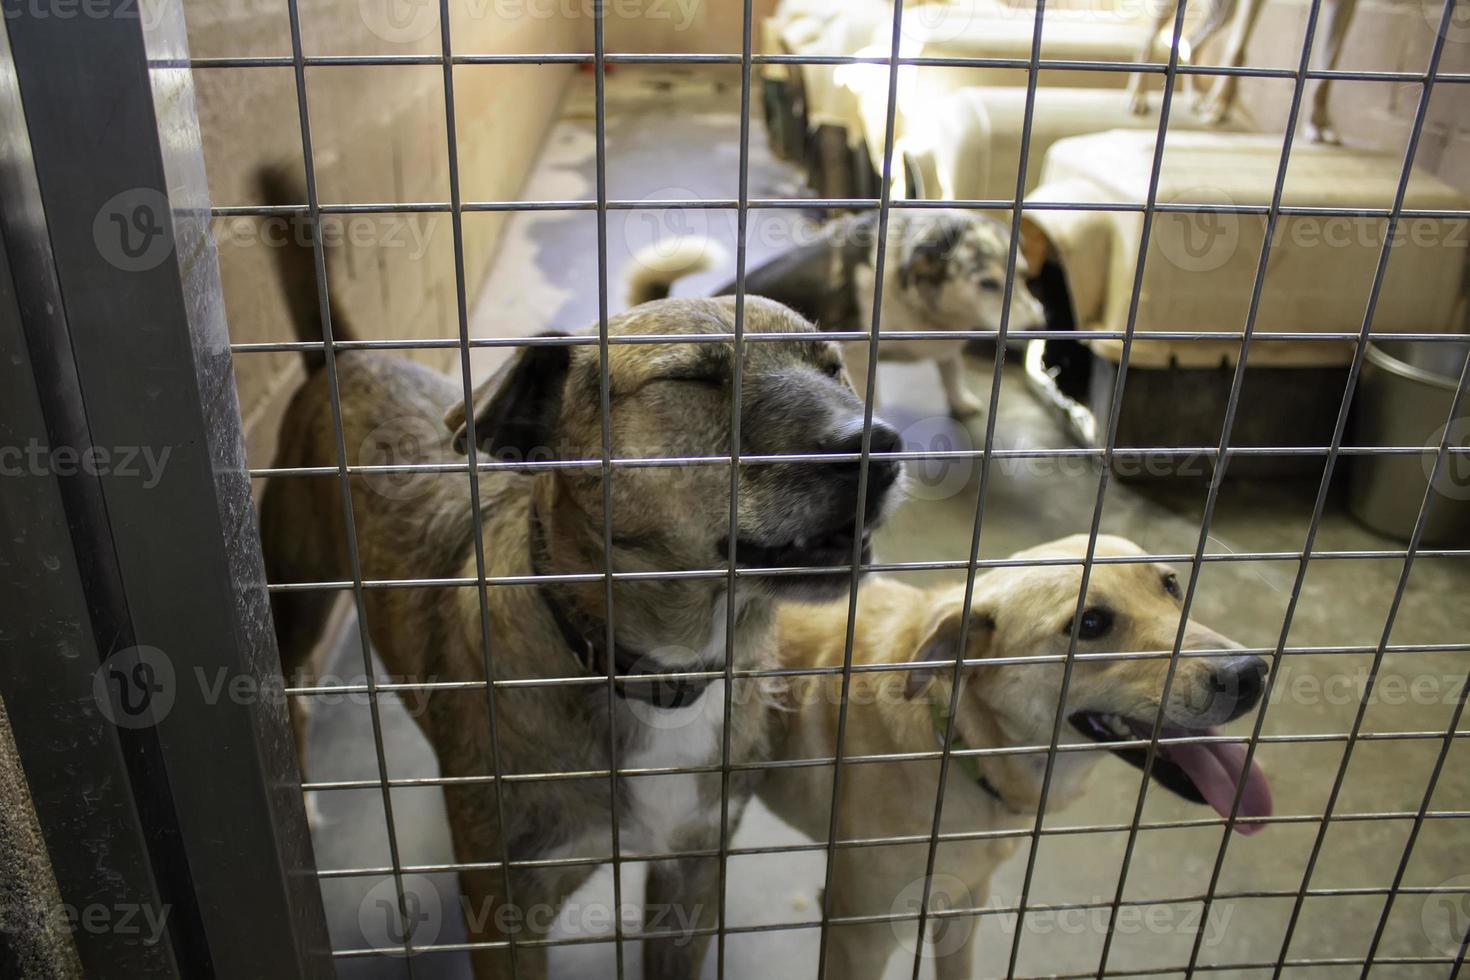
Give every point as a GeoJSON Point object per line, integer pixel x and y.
{"type": "Point", "coordinates": [1171, 585]}
{"type": "Point", "coordinates": [1095, 623]}
{"type": "Point", "coordinates": [708, 380]}
{"type": "Point", "coordinates": [990, 284]}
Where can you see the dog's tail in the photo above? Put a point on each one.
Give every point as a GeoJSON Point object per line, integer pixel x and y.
{"type": "Point", "coordinates": [296, 263]}
{"type": "Point", "coordinates": [655, 268]}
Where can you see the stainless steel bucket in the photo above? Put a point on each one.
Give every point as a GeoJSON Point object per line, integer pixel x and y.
{"type": "Point", "coordinates": [1404, 396]}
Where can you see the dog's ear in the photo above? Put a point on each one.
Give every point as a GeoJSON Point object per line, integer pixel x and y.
{"type": "Point", "coordinates": [1036, 247]}
{"type": "Point", "coordinates": [927, 260]}
{"type": "Point", "coordinates": [943, 643]}
{"type": "Point", "coordinates": [516, 408]}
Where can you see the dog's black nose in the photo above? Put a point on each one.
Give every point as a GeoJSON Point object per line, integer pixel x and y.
{"type": "Point", "coordinates": [882, 473]}
{"type": "Point", "coordinates": [1244, 679]}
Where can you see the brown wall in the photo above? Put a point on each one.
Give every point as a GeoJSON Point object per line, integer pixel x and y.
{"type": "Point", "coordinates": [379, 135]}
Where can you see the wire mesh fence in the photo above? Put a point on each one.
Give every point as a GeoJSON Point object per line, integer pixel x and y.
{"type": "Point", "coordinates": [602, 463]}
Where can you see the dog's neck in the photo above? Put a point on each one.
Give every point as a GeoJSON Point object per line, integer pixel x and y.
{"type": "Point", "coordinates": [969, 765]}
{"type": "Point", "coordinates": [679, 621]}
{"type": "Point", "coordinates": [918, 724]}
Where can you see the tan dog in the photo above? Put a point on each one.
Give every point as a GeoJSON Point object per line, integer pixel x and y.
{"type": "Point", "coordinates": [1015, 612]}
{"type": "Point", "coordinates": [1216, 105]}
{"type": "Point", "coordinates": [667, 400]}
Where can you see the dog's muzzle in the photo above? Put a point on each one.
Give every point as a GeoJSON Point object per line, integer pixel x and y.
{"type": "Point", "coordinates": [1208, 772]}
{"type": "Point", "coordinates": [832, 543]}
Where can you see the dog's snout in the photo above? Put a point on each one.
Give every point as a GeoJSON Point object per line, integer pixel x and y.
{"type": "Point", "coordinates": [1243, 679]}
{"type": "Point", "coordinates": [848, 440]}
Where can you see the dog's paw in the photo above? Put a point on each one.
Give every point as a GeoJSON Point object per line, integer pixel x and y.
{"type": "Point", "coordinates": [1324, 134]}
{"type": "Point", "coordinates": [966, 406]}
{"type": "Point", "coordinates": [1214, 110]}
{"type": "Point", "coordinates": [1138, 101]}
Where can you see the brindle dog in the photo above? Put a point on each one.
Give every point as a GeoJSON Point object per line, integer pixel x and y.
{"type": "Point", "coordinates": [667, 400]}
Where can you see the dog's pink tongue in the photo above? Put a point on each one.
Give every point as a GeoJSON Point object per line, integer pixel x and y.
{"type": "Point", "coordinates": [1216, 768]}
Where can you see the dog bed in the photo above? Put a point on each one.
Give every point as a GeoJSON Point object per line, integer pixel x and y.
{"type": "Point", "coordinates": [950, 31]}
{"type": "Point", "coordinates": [970, 146]}
{"type": "Point", "coordinates": [1200, 267]}
{"type": "Point", "coordinates": [1200, 271]}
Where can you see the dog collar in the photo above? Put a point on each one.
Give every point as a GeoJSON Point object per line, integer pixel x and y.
{"type": "Point", "coordinates": [969, 764]}
{"type": "Point", "coordinates": [659, 690]}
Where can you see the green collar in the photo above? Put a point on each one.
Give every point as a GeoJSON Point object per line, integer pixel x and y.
{"type": "Point", "coordinates": [969, 764]}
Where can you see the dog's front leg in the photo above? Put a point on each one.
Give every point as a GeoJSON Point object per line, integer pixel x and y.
{"type": "Point", "coordinates": [1319, 124]}
{"type": "Point", "coordinates": [1138, 82]}
{"type": "Point", "coordinates": [962, 401]}
{"type": "Point", "coordinates": [490, 919]}
{"type": "Point", "coordinates": [1216, 107]}
{"type": "Point", "coordinates": [681, 898]}
{"type": "Point", "coordinates": [954, 939]}
{"type": "Point", "coordinates": [863, 885]}
{"type": "Point", "coordinates": [491, 916]}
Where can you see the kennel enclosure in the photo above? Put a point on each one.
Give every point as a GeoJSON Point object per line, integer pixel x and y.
{"type": "Point", "coordinates": [113, 307]}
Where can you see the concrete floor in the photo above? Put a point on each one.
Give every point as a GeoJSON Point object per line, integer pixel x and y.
{"type": "Point", "coordinates": [544, 278]}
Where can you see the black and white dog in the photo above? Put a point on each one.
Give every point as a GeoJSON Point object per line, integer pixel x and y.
{"type": "Point", "coordinates": [945, 270]}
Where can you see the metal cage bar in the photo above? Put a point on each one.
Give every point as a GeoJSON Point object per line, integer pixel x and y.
{"type": "Point", "coordinates": [112, 305]}
{"type": "Point", "coordinates": [1217, 478]}
{"type": "Point", "coordinates": [472, 449]}
{"type": "Point", "coordinates": [742, 217]}
{"type": "Point", "coordinates": [344, 481]}
{"type": "Point", "coordinates": [604, 390]}
{"type": "Point", "coordinates": [992, 414]}
{"type": "Point", "coordinates": [880, 256]}
{"type": "Point", "coordinates": [1110, 443]}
